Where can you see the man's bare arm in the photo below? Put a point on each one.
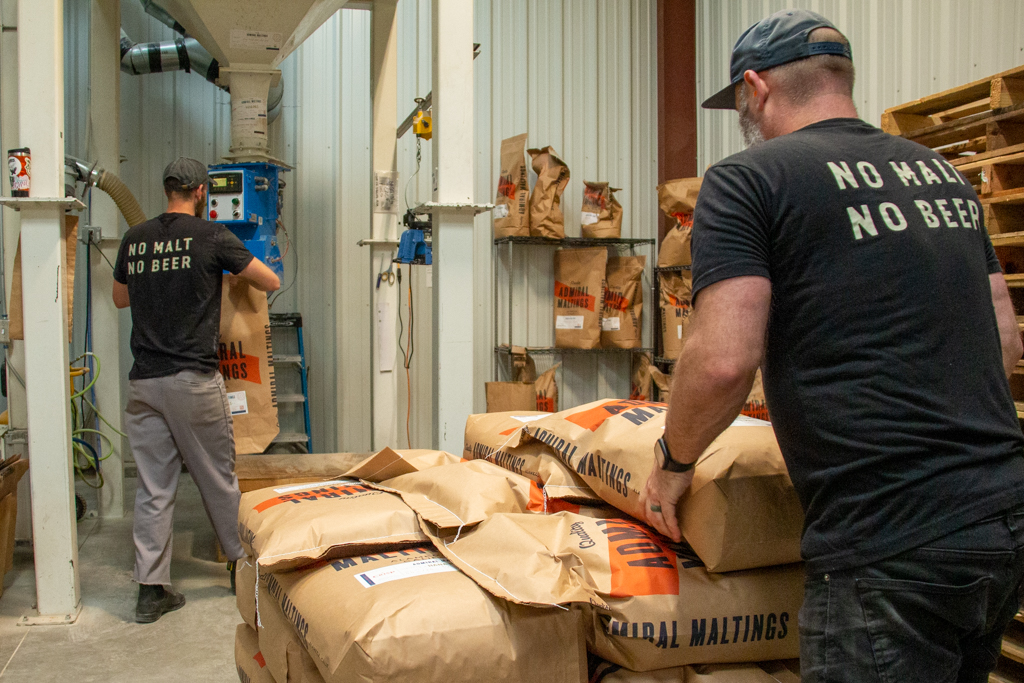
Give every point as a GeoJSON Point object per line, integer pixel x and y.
{"type": "Point", "coordinates": [713, 376]}
{"type": "Point", "coordinates": [1009, 331]}
{"type": "Point", "coordinates": [121, 295]}
{"type": "Point", "coordinates": [260, 276]}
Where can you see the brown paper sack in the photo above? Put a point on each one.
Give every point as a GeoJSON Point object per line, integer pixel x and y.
{"type": "Point", "coordinates": [652, 604]}
{"type": "Point", "coordinates": [247, 364]}
{"type": "Point", "coordinates": [16, 314]}
{"type": "Point", "coordinates": [601, 217]}
{"type": "Point", "coordinates": [675, 312]}
{"type": "Point", "coordinates": [411, 617]}
{"type": "Point", "coordinates": [767, 672]}
{"type": "Point", "coordinates": [621, 321]}
{"type": "Point", "coordinates": [245, 590]}
{"type": "Point", "coordinates": [499, 438]}
{"type": "Point", "coordinates": [293, 526]}
{"type": "Point", "coordinates": [546, 390]}
{"type": "Point", "coordinates": [678, 198]}
{"type": "Point", "coordinates": [506, 396]}
{"type": "Point", "coordinates": [286, 657]}
{"type": "Point", "coordinates": [523, 367]}
{"type": "Point", "coordinates": [755, 405]}
{"type": "Point", "coordinates": [546, 219]}
{"type": "Point", "coordinates": [249, 662]}
{"type": "Point", "coordinates": [579, 297]}
{"type": "Point", "coordinates": [740, 511]}
{"type": "Point", "coordinates": [281, 469]}
{"type": "Point", "coordinates": [663, 382]}
{"type": "Point", "coordinates": [511, 208]}
{"type": "Point", "coordinates": [389, 463]}
{"type": "Point", "coordinates": [640, 378]}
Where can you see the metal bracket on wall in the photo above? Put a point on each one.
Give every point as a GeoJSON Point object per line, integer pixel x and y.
{"type": "Point", "coordinates": [16, 436]}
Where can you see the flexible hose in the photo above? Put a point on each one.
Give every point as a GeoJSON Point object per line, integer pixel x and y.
{"type": "Point", "coordinates": [122, 196]}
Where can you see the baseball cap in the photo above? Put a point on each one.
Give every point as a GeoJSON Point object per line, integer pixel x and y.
{"type": "Point", "coordinates": [189, 172]}
{"type": "Point", "coordinates": [775, 40]}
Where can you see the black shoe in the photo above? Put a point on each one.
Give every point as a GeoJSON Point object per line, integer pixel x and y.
{"type": "Point", "coordinates": [232, 566]}
{"type": "Point", "coordinates": [155, 601]}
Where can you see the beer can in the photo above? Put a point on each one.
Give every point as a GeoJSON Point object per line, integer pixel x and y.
{"type": "Point", "coordinates": [19, 161]}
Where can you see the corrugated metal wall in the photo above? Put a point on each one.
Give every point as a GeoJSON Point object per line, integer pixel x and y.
{"type": "Point", "coordinates": [577, 74]}
{"type": "Point", "coordinates": [902, 49]}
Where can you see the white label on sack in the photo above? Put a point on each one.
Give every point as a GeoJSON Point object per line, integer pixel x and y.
{"type": "Point", "coordinates": [395, 572]}
{"type": "Point", "coordinates": [528, 418]}
{"type": "Point", "coordinates": [679, 331]}
{"type": "Point", "coordinates": [237, 403]}
{"type": "Point", "coordinates": [255, 40]}
{"type": "Point", "coordinates": [610, 324]}
{"type": "Point", "coordinates": [568, 322]}
{"type": "Point", "coordinates": [501, 211]}
{"type": "Point", "coordinates": [745, 421]}
{"type": "Point", "coordinates": [316, 485]}
{"type": "Point", "coordinates": [588, 218]}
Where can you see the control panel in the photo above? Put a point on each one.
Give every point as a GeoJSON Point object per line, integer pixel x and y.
{"type": "Point", "coordinates": [244, 197]}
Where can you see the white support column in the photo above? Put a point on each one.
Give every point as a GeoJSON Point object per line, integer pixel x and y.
{"type": "Point", "coordinates": [453, 155]}
{"type": "Point", "coordinates": [41, 123]}
{"type": "Point", "coordinates": [384, 84]}
{"type": "Point", "coordinates": [16, 410]}
{"type": "Point", "coordinates": [105, 112]}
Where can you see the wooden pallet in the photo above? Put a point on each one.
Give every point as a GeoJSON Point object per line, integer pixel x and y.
{"type": "Point", "coordinates": [980, 117]}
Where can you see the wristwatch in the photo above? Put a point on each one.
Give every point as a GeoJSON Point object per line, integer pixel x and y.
{"type": "Point", "coordinates": [665, 460]}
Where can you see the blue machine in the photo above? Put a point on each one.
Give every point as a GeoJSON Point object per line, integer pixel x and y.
{"type": "Point", "coordinates": [244, 197]}
{"type": "Point", "coordinates": [414, 246]}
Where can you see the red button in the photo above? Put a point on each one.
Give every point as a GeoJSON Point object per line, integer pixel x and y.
{"type": "Point", "coordinates": [213, 214]}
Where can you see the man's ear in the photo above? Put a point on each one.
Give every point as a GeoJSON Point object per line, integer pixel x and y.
{"type": "Point", "coordinates": [758, 86]}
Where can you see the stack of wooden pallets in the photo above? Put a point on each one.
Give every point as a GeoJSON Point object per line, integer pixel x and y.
{"type": "Point", "coordinates": [979, 128]}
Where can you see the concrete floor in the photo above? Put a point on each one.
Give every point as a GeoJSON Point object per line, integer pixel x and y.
{"type": "Point", "coordinates": [196, 643]}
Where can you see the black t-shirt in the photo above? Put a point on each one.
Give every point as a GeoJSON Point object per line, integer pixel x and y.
{"type": "Point", "coordinates": [172, 265]}
{"type": "Point", "coordinates": [883, 369]}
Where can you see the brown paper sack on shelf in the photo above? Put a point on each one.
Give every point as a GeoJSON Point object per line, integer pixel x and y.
{"type": "Point", "coordinates": [663, 382]}
{"type": "Point", "coordinates": [499, 438]}
{"type": "Point", "coordinates": [283, 651]}
{"type": "Point", "coordinates": [579, 297]}
{"type": "Point", "coordinates": [640, 378]}
{"type": "Point", "coordinates": [677, 198]}
{"type": "Point", "coordinates": [506, 396]}
{"type": "Point", "coordinates": [651, 604]}
{"type": "Point", "coordinates": [675, 312]}
{"type": "Point", "coordinates": [411, 617]}
{"type": "Point", "coordinates": [546, 390]}
{"type": "Point", "coordinates": [245, 590]}
{"type": "Point", "coordinates": [281, 469]}
{"type": "Point", "coordinates": [292, 526]}
{"type": "Point", "coordinates": [390, 463]}
{"type": "Point", "coordinates": [523, 367]}
{"type": "Point", "coordinates": [601, 217]}
{"type": "Point", "coordinates": [740, 511]}
{"type": "Point", "coordinates": [755, 405]}
{"type": "Point", "coordinates": [767, 672]}
{"type": "Point", "coordinates": [511, 207]}
{"type": "Point", "coordinates": [621, 321]}
{"type": "Point", "coordinates": [16, 312]}
{"type": "Point", "coordinates": [546, 219]}
{"type": "Point", "coordinates": [249, 662]}
{"type": "Point", "coordinates": [247, 364]}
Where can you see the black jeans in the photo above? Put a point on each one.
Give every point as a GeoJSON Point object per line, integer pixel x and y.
{"type": "Point", "coordinates": [935, 614]}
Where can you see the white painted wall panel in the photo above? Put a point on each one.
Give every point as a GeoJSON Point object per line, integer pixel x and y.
{"type": "Point", "coordinates": [902, 50]}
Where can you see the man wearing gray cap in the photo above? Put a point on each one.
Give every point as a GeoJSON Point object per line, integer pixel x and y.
{"type": "Point", "coordinates": [854, 267]}
{"type": "Point", "coordinates": [169, 271]}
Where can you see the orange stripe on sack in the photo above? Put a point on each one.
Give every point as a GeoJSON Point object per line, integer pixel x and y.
{"type": "Point", "coordinates": [577, 297]}
{"type": "Point", "coordinates": [311, 494]}
{"type": "Point", "coordinates": [536, 503]}
{"type": "Point", "coordinates": [640, 562]}
{"type": "Point", "coordinates": [595, 417]}
{"type": "Point", "coordinates": [508, 431]}
{"type": "Point", "coordinates": [259, 659]}
{"type": "Point", "coordinates": [244, 367]}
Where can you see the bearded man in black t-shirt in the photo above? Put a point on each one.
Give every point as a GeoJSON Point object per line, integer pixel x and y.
{"type": "Point", "coordinates": [169, 270]}
{"type": "Point", "coordinates": [854, 267]}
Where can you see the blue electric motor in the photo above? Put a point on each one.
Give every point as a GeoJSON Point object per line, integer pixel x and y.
{"type": "Point", "coordinates": [244, 197]}
{"type": "Point", "coordinates": [414, 246]}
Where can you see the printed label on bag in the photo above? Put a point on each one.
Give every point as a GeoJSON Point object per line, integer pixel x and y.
{"type": "Point", "coordinates": [404, 571]}
{"type": "Point", "coordinates": [679, 331]}
{"type": "Point", "coordinates": [255, 40]}
{"type": "Point", "coordinates": [610, 324]}
{"type": "Point", "coordinates": [569, 322]}
{"type": "Point", "coordinates": [501, 211]}
{"type": "Point", "coordinates": [529, 418]}
{"type": "Point", "coordinates": [588, 218]}
{"type": "Point", "coordinates": [237, 403]}
{"type": "Point", "coordinates": [747, 421]}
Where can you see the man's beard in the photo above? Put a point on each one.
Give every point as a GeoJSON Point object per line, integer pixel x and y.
{"type": "Point", "coordinates": [752, 135]}
{"type": "Point", "coordinates": [197, 210]}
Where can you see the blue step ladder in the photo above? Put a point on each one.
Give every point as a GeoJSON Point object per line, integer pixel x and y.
{"type": "Point", "coordinates": [293, 321]}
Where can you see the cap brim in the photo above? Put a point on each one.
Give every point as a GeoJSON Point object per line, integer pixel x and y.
{"type": "Point", "coordinates": [723, 99]}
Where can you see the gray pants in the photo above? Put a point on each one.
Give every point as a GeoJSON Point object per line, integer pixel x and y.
{"type": "Point", "coordinates": [181, 417]}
